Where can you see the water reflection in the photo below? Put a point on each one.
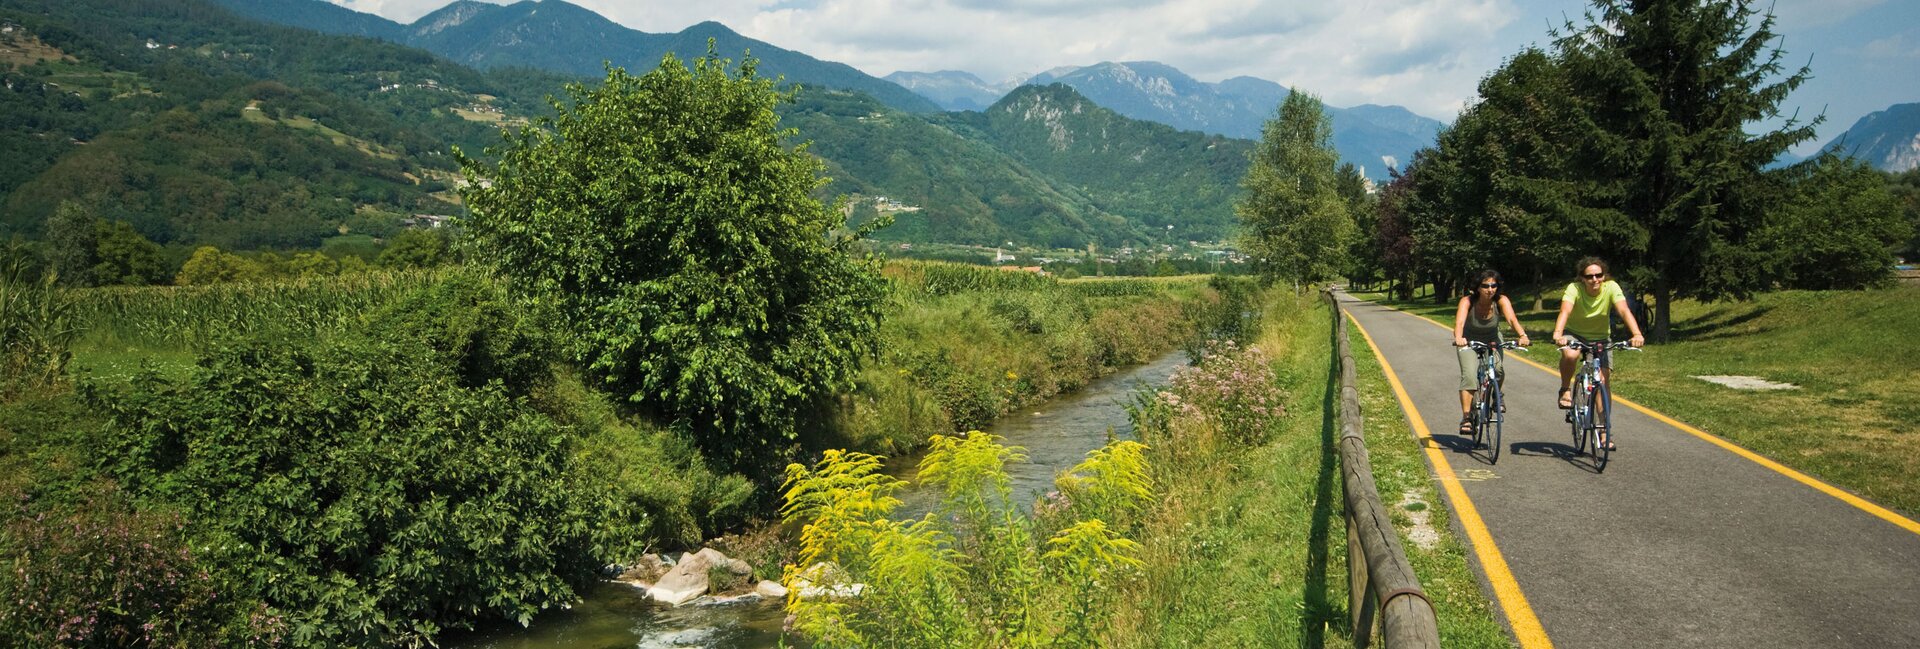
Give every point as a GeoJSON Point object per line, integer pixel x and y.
{"type": "Point", "coordinates": [1057, 434]}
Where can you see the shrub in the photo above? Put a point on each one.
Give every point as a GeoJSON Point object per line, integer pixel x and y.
{"type": "Point", "coordinates": [360, 488]}
{"type": "Point", "coordinates": [1233, 390]}
{"type": "Point", "coordinates": [107, 575]}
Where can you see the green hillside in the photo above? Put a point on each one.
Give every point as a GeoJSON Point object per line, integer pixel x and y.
{"type": "Point", "coordinates": [1150, 173]}
{"type": "Point", "coordinates": [203, 128]}
{"type": "Point", "coordinates": [966, 190]}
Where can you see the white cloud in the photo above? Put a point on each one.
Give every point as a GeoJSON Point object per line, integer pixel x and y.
{"type": "Point", "coordinates": [1893, 47]}
{"type": "Point", "coordinates": [1424, 54]}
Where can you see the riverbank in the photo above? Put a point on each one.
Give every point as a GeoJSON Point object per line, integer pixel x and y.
{"type": "Point", "coordinates": [1247, 546]}
{"type": "Point", "coordinates": [321, 414]}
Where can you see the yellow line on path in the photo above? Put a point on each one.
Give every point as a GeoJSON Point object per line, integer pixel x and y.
{"type": "Point", "coordinates": [1526, 626]}
{"type": "Point", "coordinates": [1860, 503]}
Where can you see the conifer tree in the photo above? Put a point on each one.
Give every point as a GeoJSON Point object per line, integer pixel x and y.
{"type": "Point", "coordinates": [1667, 90]}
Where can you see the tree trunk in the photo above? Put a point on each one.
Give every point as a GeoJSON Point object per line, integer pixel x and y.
{"type": "Point", "coordinates": [1662, 310]}
{"type": "Point", "coordinates": [1539, 291]}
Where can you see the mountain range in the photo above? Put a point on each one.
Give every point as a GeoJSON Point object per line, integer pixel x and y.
{"type": "Point", "coordinates": [1888, 139]}
{"type": "Point", "coordinates": [557, 36]}
{"type": "Point", "coordinates": [201, 127]}
{"type": "Point", "coordinates": [953, 89]}
{"type": "Point", "coordinates": [561, 37]}
{"type": "Point", "coordinates": [1374, 138]}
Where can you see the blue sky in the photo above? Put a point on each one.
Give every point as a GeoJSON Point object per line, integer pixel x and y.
{"type": "Point", "coordinates": [1427, 55]}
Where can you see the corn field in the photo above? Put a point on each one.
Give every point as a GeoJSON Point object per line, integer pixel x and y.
{"type": "Point", "coordinates": [944, 278]}
{"type": "Point", "coordinates": [37, 328]}
{"type": "Point", "coordinates": [191, 316]}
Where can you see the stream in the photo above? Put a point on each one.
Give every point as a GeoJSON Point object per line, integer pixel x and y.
{"type": "Point", "coordinates": [1056, 435]}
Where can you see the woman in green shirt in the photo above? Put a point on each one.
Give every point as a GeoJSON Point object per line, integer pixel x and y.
{"type": "Point", "coordinates": [1583, 316]}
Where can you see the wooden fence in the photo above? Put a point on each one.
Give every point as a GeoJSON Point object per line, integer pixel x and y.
{"type": "Point", "coordinates": [1380, 581]}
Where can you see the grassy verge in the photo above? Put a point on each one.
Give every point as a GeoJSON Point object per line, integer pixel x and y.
{"type": "Point", "coordinates": [1247, 547]}
{"type": "Point", "coordinates": [1851, 422]}
{"type": "Point", "coordinates": [1405, 482]}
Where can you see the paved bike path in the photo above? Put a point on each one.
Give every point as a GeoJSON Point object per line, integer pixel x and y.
{"type": "Point", "coordinates": [1678, 543]}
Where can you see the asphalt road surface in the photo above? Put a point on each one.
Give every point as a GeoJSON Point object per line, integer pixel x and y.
{"type": "Point", "coordinates": [1678, 543]}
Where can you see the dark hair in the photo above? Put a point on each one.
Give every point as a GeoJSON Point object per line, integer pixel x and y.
{"type": "Point", "coordinates": [1483, 276]}
{"type": "Point", "coordinates": [1580, 269]}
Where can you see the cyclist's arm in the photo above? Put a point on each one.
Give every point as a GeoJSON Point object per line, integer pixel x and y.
{"type": "Point", "coordinates": [1460, 322]}
{"type": "Point", "coordinates": [1560, 323]}
{"type": "Point", "coordinates": [1626, 315]}
{"type": "Point", "coordinates": [1506, 306]}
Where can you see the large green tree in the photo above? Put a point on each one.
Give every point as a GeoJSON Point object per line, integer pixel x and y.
{"type": "Point", "coordinates": [675, 241]}
{"type": "Point", "coordinates": [1835, 225]}
{"type": "Point", "coordinates": [1293, 219]}
{"type": "Point", "coordinates": [1494, 193]}
{"type": "Point", "coordinates": [1668, 92]}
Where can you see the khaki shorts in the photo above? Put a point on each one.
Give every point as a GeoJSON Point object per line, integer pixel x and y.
{"type": "Point", "coordinates": [1606, 357]}
{"type": "Point", "coordinates": [1470, 367]}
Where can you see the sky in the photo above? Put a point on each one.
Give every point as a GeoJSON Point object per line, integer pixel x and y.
{"type": "Point", "coordinates": [1426, 55]}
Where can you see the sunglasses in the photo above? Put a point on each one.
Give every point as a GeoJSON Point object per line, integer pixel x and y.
{"type": "Point", "coordinates": [1489, 286]}
{"type": "Point", "coordinates": [1594, 275]}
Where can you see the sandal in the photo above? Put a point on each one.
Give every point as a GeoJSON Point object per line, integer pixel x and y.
{"type": "Point", "coordinates": [1566, 398]}
{"type": "Point", "coordinates": [1466, 424]}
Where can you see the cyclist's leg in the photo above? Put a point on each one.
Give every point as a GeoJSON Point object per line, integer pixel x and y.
{"type": "Point", "coordinates": [1469, 382]}
{"type": "Point", "coordinates": [1569, 362]}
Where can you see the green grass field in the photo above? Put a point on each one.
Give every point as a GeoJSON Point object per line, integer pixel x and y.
{"type": "Point", "coordinates": [1251, 550]}
{"type": "Point", "coordinates": [1853, 422]}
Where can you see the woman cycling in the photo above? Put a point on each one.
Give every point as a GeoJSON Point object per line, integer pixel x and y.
{"type": "Point", "coordinates": [1583, 317]}
{"type": "Point", "coordinates": [1478, 320]}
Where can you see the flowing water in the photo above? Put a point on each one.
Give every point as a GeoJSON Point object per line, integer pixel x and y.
{"type": "Point", "coordinates": [1056, 436]}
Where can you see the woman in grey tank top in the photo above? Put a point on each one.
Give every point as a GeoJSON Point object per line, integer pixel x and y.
{"type": "Point", "coordinates": [1478, 319]}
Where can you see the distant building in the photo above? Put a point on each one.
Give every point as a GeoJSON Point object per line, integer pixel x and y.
{"type": "Point", "coordinates": [426, 221]}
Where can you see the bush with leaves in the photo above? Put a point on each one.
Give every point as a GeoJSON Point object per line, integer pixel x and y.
{"type": "Point", "coordinates": [104, 574]}
{"type": "Point", "coordinates": [970, 574]}
{"type": "Point", "coordinates": [373, 489]}
{"type": "Point", "coordinates": [675, 240]}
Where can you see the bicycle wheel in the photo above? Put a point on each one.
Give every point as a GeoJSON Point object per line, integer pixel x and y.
{"type": "Point", "coordinates": [1476, 420]}
{"type": "Point", "coordinates": [1574, 419]}
{"type": "Point", "coordinates": [1598, 417]}
{"type": "Point", "coordinates": [1493, 417]}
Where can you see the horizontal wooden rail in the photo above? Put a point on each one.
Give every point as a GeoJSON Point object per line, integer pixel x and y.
{"type": "Point", "coordinates": [1379, 578]}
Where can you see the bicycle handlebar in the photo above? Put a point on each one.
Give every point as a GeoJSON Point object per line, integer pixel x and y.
{"type": "Point", "coordinates": [1601, 346]}
{"type": "Point", "coordinates": [1504, 344]}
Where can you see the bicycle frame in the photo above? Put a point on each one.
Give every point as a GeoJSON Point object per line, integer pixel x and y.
{"type": "Point", "coordinates": [1486, 407]}
{"type": "Point", "coordinates": [1592, 413]}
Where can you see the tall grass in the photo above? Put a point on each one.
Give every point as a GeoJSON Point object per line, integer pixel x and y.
{"type": "Point", "coordinates": [38, 325]}
{"type": "Point", "coordinates": [1245, 545]}
{"type": "Point", "coordinates": [963, 345]}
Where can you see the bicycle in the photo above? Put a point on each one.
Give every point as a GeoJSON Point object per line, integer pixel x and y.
{"type": "Point", "coordinates": [1592, 413]}
{"type": "Point", "coordinates": [1489, 405]}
